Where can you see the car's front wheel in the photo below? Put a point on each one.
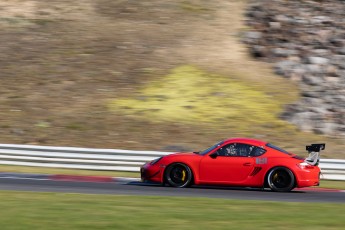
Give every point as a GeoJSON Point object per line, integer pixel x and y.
{"type": "Point", "coordinates": [178, 175]}
{"type": "Point", "coordinates": [281, 179]}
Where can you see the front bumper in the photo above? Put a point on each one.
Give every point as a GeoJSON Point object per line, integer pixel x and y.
{"type": "Point", "coordinates": [151, 173]}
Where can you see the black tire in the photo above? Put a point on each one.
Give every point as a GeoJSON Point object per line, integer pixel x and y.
{"type": "Point", "coordinates": [178, 175]}
{"type": "Point", "coordinates": [281, 179]}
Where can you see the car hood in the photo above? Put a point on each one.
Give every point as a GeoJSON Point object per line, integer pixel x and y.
{"type": "Point", "coordinates": [183, 154]}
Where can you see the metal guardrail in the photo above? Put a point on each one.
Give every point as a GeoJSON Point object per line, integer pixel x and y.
{"type": "Point", "coordinates": [110, 159]}
{"type": "Point", "coordinates": [76, 158]}
{"type": "Point", "coordinates": [332, 169]}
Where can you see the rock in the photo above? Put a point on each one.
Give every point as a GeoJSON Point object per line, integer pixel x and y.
{"type": "Point", "coordinates": [275, 25]}
{"type": "Point", "coordinates": [303, 120]}
{"type": "Point", "coordinates": [332, 80]}
{"type": "Point", "coordinates": [320, 110]}
{"type": "Point", "coordinates": [301, 21]}
{"type": "Point", "coordinates": [337, 42]}
{"type": "Point", "coordinates": [296, 59]}
{"type": "Point", "coordinates": [253, 35]}
{"type": "Point", "coordinates": [325, 128]}
{"type": "Point", "coordinates": [312, 101]}
{"type": "Point", "coordinates": [296, 74]}
{"type": "Point", "coordinates": [312, 80]}
{"type": "Point", "coordinates": [312, 94]}
{"type": "Point", "coordinates": [332, 70]}
{"type": "Point", "coordinates": [286, 64]}
{"type": "Point", "coordinates": [342, 65]}
{"type": "Point", "coordinates": [341, 129]}
{"type": "Point", "coordinates": [318, 60]}
{"type": "Point", "coordinates": [338, 60]}
{"type": "Point", "coordinates": [305, 41]}
{"type": "Point", "coordinates": [321, 19]}
{"type": "Point", "coordinates": [341, 51]}
{"type": "Point", "coordinates": [341, 74]}
{"type": "Point", "coordinates": [259, 51]}
{"type": "Point", "coordinates": [324, 35]}
{"type": "Point", "coordinates": [257, 13]}
{"type": "Point", "coordinates": [279, 52]}
{"type": "Point", "coordinates": [282, 18]}
{"type": "Point", "coordinates": [339, 98]}
{"type": "Point", "coordinates": [321, 52]}
{"type": "Point", "coordinates": [313, 69]}
{"type": "Point", "coordinates": [284, 67]}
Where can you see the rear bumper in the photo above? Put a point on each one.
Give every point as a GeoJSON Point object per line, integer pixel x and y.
{"type": "Point", "coordinates": [307, 178]}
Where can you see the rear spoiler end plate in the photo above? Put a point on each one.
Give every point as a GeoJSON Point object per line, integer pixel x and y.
{"type": "Point", "coordinates": [314, 153]}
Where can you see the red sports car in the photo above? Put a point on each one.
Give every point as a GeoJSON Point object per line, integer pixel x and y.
{"type": "Point", "coordinates": [239, 162]}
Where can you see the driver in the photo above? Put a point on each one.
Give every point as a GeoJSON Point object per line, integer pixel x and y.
{"type": "Point", "coordinates": [230, 150]}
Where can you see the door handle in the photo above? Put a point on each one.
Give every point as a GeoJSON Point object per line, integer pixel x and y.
{"type": "Point", "coordinates": [247, 164]}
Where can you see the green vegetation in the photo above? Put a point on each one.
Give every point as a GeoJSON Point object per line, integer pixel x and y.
{"type": "Point", "coordinates": [332, 184]}
{"type": "Point", "coordinates": [195, 8]}
{"type": "Point", "coordinates": [49, 211]}
{"type": "Point", "coordinates": [190, 95]}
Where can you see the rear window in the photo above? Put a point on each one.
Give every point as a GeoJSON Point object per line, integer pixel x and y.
{"type": "Point", "coordinates": [277, 148]}
{"type": "Point", "coordinates": [257, 151]}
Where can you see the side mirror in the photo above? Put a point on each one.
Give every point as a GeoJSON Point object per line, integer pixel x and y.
{"type": "Point", "coordinates": [214, 155]}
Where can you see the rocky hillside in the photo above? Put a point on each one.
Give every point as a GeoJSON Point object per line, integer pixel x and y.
{"type": "Point", "coordinates": [306, 42]}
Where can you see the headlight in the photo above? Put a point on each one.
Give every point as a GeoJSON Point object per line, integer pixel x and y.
{"type": "Point", "coordinates": [155, 161]}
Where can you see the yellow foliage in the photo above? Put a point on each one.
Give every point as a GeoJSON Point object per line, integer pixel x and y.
{"type": "Point", "coordinates": [190, 95]}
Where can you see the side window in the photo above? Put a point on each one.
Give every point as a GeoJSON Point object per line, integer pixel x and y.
{"type": "Point", "coordinates": [244, 150]}
{"type": "Point", "coordinates": [228, 150]}
{"type": "Point", "coordinates": [257, 151]}
{"type": "Point", "coordinates": [236, 149]}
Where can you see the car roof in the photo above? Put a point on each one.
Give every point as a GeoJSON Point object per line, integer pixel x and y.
{"type": "Point", "coordinates": [246, 141]}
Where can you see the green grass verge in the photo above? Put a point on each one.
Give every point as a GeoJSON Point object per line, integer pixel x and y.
{"type": "Point", "coordinates": [332, 184]}
{"type": "Point", "coordinates": [27, 210]}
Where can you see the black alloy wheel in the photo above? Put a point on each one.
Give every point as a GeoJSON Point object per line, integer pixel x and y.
{"type": "Point", "coordinates": [281, 179]}
{"type": "Point", "coordinates": [178, 175]}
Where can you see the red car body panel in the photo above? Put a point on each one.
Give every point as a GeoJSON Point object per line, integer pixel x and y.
{"type": "Point", "coordinates": [248, 171]}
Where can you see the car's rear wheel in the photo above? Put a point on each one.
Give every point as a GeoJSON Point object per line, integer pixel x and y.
{"type": "Point", "coordinates": [281, 179]}
{"type": "Point", "coordinates": [178, 175]}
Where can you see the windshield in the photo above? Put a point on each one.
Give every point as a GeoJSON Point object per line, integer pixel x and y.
{"type": "Point", "coordinates": [277, 148]}
{"type": "Point", "coordinates": [211, 148]}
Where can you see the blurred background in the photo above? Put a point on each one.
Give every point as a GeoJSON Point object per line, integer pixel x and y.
{"type": "Point", "coordinates": [168, 75]}
{"type": "Point", "coordinates": [172, 75]}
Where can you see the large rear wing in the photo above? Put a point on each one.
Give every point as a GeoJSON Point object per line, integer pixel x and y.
{"type": "Point", "coordinates": [314, 153]}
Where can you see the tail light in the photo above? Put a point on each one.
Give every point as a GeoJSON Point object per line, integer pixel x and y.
{"type": "Point", "coordinates": [305, 165]}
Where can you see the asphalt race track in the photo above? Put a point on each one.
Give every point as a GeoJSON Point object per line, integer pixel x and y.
{"type": "Point", "coordinates": [134, 187]}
